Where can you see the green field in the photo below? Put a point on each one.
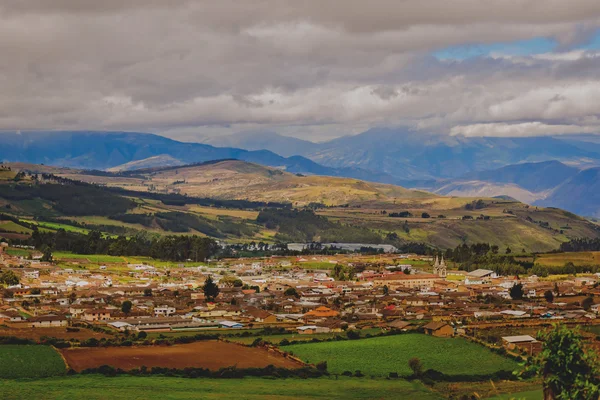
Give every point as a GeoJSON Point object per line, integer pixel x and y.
{"type": "Point", "coordinates": [93, 258]}
{"type": "Point", "coordinates": [10, 226]}
{"type": "Point", "coordinates": [30, 361]}
{"type": "Point", "coordinates": [93, 387]}
{"type": "Point", "coordinates": [380, 356]}
{"type": "Point", "coordinates": [529, 395]}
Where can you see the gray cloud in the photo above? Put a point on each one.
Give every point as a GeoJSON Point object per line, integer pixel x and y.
{"type": "Point", "coordinates": [310, 68]}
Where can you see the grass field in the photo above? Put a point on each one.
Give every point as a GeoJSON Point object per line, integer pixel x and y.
{"type": "Point", "coordinates": [560, 259]}
{"type": "Point", "coordinates": [93, 258]}
{"type": "Point", "coordinates": [56, 226]}
{"type": "Point", "coordinates": [9, 226]}
{"type": "Point", "coordinates": [529, 395]}
{"type": "Point", "coordinates": [30, 361]}
{"type": "Point", "coordinates": [18, 252]}
{"type": "Point", "coordinates": [380, 356]}
{"type": "Point", "coordinates": [93, 387]}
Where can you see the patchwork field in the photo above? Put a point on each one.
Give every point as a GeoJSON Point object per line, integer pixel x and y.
{"type": "Point", "coordinates": [380, 356]}
{"type": "Point", "coordinates": [209, 354]}
{"type": "Point", "coordinates": [141, 388]}
{"type": "Point", "coordinates": [29, 361]}
{"type": "Point", "coordinates": [560, 259]}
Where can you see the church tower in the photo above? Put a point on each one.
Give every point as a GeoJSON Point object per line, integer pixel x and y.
{"type": "Point", "coordinates": [442, 270]}
{"type": "Point", "coordinates": [436, 265]}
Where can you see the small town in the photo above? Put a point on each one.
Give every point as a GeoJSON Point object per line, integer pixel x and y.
{"type": "Point", "coordinates": [304, 295]}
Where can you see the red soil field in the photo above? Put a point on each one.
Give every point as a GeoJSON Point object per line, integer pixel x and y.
{"type": "Point", "coordinates": [206, 354]}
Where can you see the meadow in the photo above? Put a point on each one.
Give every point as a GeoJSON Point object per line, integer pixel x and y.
{"type": "Point", "coordinates": [94, 387]}
{"type": "Point", "coordinates": [382, 355]}
{"type": "Point", "coordinates": [30, 361]}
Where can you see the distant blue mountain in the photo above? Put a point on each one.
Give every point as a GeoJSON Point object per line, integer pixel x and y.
{"type": "Point", "coordinates": [104, 150]}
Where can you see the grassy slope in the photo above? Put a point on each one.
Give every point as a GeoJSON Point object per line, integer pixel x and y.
{"type": "Point", "coordinates": [30, 361]}
{"type": "Point", "coordinates": [236, 179]}
{"type": "Point", "coordinates": [131, 388]}
{"type": "Point", "coordinates": [380, 356]}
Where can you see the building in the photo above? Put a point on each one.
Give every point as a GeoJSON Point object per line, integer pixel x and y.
{"type": "Point", "coordinates": [164, 311]}
{"type": "Point", "coordinates": [407, 281]}
{"type": "Point", "coordinates": [523, 343]}
{"type": "Point", "coordinates": [47, 321]}
{"type": "Point", "coordinates": [439, 267]}
{"type": "Point", "coordinates": [92, 315]}
{"type": "Point", "coordinates": [311, 329]}
{"type": "Point", "coordinates": [439, 329]}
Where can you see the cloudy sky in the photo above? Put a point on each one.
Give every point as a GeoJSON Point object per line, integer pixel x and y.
{"type": "Point", "coordinates": [311, 69]}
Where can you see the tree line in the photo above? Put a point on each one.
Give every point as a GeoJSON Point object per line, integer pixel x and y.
{"type": "Point", "coordinates": [169, 248]}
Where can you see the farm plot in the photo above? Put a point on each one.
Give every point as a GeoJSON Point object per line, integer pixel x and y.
{"type": "Point", "coordinates": [210, 354]}
{"type": "Point", "coordinates": [30, 361]}
{"type": "Point", "coordinates": [59, 333]}
{"type": "Point", "coordinates": [380, 356]}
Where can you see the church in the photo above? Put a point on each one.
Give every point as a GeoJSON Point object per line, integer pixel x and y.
{"type": "Point", "coordinates": [439, 267]}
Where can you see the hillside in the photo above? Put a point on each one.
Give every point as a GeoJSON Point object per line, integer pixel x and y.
{"type": "Point", "coordinates": [580, 193]}
{"type": "Point", "coordinates": [163, 160]}
{"type": "Point", "coordinates": [216, 204]}
{"type": "Point", "coordinates": [548, 184]}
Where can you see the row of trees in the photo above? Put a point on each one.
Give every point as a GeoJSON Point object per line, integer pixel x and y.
{"type": "Point", "coordinates": [171, 247]}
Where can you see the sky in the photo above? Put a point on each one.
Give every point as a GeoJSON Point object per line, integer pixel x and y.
{"type": "Point", "coordinates": [310, 69]}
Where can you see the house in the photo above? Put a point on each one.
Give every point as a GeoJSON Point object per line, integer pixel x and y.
{"type": "Point", "coordinates": [311, 329]}
{"type": "Point", "coordinates": [401, 325]}
{"type": "Point", "coordinates": [92, 315]}
{"type": "Point", "coordinates": [522, 342]}
{"type": "Point", "coordinates": [480, 276]}
{"type": "Point", "coordinates": [47, 321]}
{"type": "Point", "coordinates": [439, 329]}
{"type": "Point", "coordinates": [230, 324]}
{"type": "Point", "coordinates": [395, 281]}
{"type": "Point", "coordinates": [259, 315]}
{"type": "Point", "coordinates": [164, 311]}
{"type": "Point", "coordinates": [321, 312]}
{"type": "Point", "coordinates": [11, 316]}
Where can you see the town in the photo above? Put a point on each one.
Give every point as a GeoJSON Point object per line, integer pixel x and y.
{"type": "Point", "coordinates": [301, 295]}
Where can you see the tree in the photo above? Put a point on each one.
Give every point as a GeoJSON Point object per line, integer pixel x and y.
{"type": "Point", "coordinates": [9, 278]}
{"type": "Point", "coordinates": [416, 366]}
{"type": "Point", "coordinates": [587, 303]}
{"type": "Point", "coordinates": [516, 291]}
{"type": "Point", "coordinates": [148, 292]}
{"type": "Point", "coordinates": [291, 292]}
{"type": "Point", "coordinates": [508, 250]}
{"type": "Point", "coordinates": [568, 368]}
{"type": "Point", "coordinates": [549, 296]}
{"type": "Point", "coordinates": [126, 306]}
{"type": "Point", "coordinates": [425, 215]}
{"type": "Point", "coordinates": [386, 290]}
{"type": "Point", "coordinates": [210, 289]}
{"type": "Point", "coordinates": [47, 254]}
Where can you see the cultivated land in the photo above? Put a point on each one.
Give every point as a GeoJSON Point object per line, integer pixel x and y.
{"type": "Point", "coordinates": [59, 333]}
{"type": "Point", "coordinates": [94, 387]}
{"type": "Point", "coordinates": [29, 361]}
{"type": "Point", "coordinates": [209, 354]}
{"type": "Point", "coordinates": [380, 356]}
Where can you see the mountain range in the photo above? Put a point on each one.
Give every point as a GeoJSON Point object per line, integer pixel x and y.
{"type": "Point", "coordinates": [549, 171]}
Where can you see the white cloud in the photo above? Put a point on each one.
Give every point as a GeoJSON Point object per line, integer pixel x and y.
{"type": "Point", "coordinates": [310, 68]}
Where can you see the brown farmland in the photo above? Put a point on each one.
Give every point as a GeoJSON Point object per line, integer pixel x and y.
{"type": "Point", "coordinates": [59, 333]}
{"type": "Point", "coordinates": [208, 354]}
